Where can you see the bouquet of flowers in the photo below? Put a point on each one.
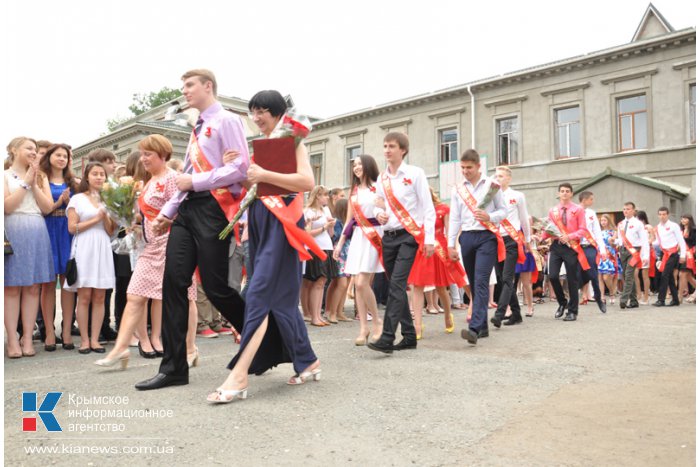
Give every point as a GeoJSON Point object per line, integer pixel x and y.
{"type": "Point", "coordinates": [292, 124]}
{"type": "Point", "coordinates": [119, 200]}
{"type": "Point", "coordinates": [493, 188]}
{"type": "Point", "coordinates": [550, 227]}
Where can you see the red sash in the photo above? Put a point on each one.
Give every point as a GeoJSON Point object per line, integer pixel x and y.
{"type": "Point", "coordinates": [518, 237]}
{"type": "Point", "coordinates": [574, 244]}
{"type": "Point", "coordinates": [636, 258]}
{"type": "Point", "coordinates": [667, 251]}
{"type": "Point", "coordinates": [367, 228]}
{"type": "Point", "coordinates": [470, 201]}
{"type": "Point", "coordinates": [401, 213]}
{"type": "Point", "coordinates": [298, 238]}
{"type": "Point", "coordinates": [148, 211]}
{"type": "Point", "coordinates": [227, 202]}
{"type": "Point", "coordinates": [690, 259]}
{"type": "Point", "coordinates": [591, 241]}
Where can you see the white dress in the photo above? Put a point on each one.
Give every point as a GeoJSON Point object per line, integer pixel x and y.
{"type": "Point", "coordinates": [93, 251]}
{"type": "Point", "coordinates": [362, 256]}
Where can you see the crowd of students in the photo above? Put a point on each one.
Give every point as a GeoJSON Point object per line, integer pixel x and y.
{"type": "Point", "coordinates": [389, 241]}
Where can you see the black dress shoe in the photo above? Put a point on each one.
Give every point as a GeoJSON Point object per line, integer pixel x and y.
{"type": "Point", "coordinates": [405, 345]}
{"type": "Point", "coordinates": [560, 312]}
{"type": "Point", "coordinates": [380, 346]}
{"type": "Point", "coordinates": [471, 336]}
{"type": "Point", "coordinates": [483, 333]}
{"type": "Point", "coordinates": [633, 305]}
{"type": "Point", "coordinates": [145, 354]}
{"type": "Point", "coordinates": [623, 305]}
{"type": "Point", "coordinates": [98, 349]}
{"type": "Point", "coordinates": [674, 303]}
{"type": "Point", "coordinates": [658, 303]}
{"type": "Point", "coordinates": [496, 322]}
{"type": "Point", "coordinates": [161, 380]}
{"type": "Point", "coordinates": [512, 321]}
{"type": "Point", "coordinates": [602, 306]}
{"type": "Point", "coordinates": [570, 317]}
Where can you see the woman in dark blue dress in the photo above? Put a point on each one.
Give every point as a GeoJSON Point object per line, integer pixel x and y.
{"type": "Point", "coordinates": [61, 184]}
{"type": "Point", "coordinates": [273, 330]}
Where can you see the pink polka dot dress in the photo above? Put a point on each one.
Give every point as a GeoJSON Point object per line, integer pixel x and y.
{"type": "Point", "coordinates": [147, 278]}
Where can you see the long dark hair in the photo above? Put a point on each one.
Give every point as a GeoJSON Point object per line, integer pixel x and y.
{"type": "Point", "coordinates": [84, 185]}
{"type": "Point", "coordinates": [68, 177]}
{"type": "Point", "coordinates": [642, 216]}
{"type": "Point", "coordinates": [370, 171]}
{"type": "Point", "coordinates": [691, 221]}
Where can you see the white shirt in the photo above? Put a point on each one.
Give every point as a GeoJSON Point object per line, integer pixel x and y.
{"type": "Point", "coordinates": [636, 234]}
{"type": "Point", "coordinates": [669, 235]}
{"type": "Point", "coordinates": [318, 219]}
{"type": "Point", "coordinates": [516, 209]}
{"type": "Point", "coordinates": [461, 217]}
{"type": "Point", "coordinates": [410, 187]}
{"type": "Point", "coordinates": [593, 226]}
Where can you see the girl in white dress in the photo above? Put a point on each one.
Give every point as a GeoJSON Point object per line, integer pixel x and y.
{"type": "Point", "coordinates": [363, 255]}
{"type": "Point", "coordinates": [92, 227]}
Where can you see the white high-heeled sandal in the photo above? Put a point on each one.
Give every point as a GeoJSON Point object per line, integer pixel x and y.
{"type": "Point", "coordinates": [123, 358]}
{"type": "Point", "coordinates": [298, 379]}
{"type": "Point", "coordinates": [224, 396]}
{"type": "Point", "coordinates": [193, 358]}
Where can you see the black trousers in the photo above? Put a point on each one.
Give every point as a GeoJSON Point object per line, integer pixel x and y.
{"type": "Point", "coordinates": [399, 250]}
{"type": "Point", "coordinates": [505, 271]}
{"type": "Point", "coordinates": [592, 273]}
{"type": "Point", "coordinates": [667, 281]}
{"type": "Point", "coordinates": [194, 241]}
{"type": "Point", "coordinates": [558, 254]}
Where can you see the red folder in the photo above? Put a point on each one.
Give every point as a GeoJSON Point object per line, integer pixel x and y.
{"type": "Point", "coordinates": [276, 155]}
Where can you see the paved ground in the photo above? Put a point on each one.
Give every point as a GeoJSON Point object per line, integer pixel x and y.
{"type": "Point", "coordinates": [615, 389]}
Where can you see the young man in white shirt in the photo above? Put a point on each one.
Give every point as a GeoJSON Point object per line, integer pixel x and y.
{"type": "Point", "coordinates": [633, 239]}
{"type": "Point", "coordinates": [592, 245]}
{"type": "Point", "coordinates": [670, 239]}
{"type": "Point", "coordinates": [516, 243]}
{"type": "Point", "coordinates": [478, 235]}
{"type": "Point", "coordinates": [408, 219]}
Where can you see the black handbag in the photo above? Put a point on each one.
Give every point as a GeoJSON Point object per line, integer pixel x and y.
{"type": "Point", "coordinates": [8, 245]}
{"type": "Point", "coordinates": [71, 266]}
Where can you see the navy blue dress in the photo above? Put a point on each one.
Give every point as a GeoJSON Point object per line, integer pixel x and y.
{"type": "Point", "coordinates": [57, 225]}
{"type": "Point", "coordinates": [274, 291]}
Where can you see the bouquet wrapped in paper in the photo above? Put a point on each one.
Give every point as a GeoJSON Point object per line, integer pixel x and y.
{"type": "Point", "coordinates": [550, 227]}
{"type": "Point", "coordinates": [491, 191]}
{"type": "Point", "coordinates": [292, 124]}
{"type": "Point", "coordinates": [120, 199]}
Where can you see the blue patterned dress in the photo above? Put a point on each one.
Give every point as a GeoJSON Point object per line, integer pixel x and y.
{"type": "Point", "coordinates": [607, 266]}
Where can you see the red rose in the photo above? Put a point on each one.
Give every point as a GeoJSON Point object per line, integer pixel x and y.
{"type": "Point", "coordinates": [373, 189]}
{"type": "Point", "coordinates": [208, 133]}
{"type": "Point", "coordinates": [407, 181]}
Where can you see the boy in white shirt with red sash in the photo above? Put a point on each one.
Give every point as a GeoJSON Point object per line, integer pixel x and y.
{"type": "Point", "coordinates": [593, 246]}
{"type": "Point", "coordinates": [409, 224]}
{"type": "Point", "coordinates": [634, 240]}
{"type": "Point", "coordinates": [478, 233]}
{"type": "Point", "coordinates": [670, 239]}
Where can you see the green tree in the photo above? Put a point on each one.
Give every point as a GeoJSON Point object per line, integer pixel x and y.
{"type": "Point", "coordinates": [144, 102]}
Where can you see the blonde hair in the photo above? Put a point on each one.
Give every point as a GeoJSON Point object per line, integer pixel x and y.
{"type": "Point", "coordinates": [13, 146]}
{"type": "Point", "coordinates": [204, 75]}
{"type": "Point", "coordinates": [611, 222]}
{"type": "Point", "coordinates": [158, 144]}
{"type": "Point", "coordinates": [505, 169]}
{"type": "Point", "coordinates": [319, 190]}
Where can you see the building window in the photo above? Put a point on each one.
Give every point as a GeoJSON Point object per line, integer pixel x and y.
{"type": "Point", "coordinates": [351, 153]}
{"type": "Point", "coordinates": [691, 108]}
{"type": "Point", "coordinates": [632, 122]}
{"type": "Point", "coordinates": [567, 132]}
{"type": "Point", "coordinates": [316, 162]}
{"type": "Point", "coordinates": [448, 145]}
{"type": "Point", "coordinates": [507, 141]}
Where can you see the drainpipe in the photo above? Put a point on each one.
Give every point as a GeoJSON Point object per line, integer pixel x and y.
{"type": "Point", "coordinates": [473, 112]}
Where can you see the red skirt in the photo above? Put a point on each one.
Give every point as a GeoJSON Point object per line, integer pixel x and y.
{"type": "Point", "coordinates": [434, 272]}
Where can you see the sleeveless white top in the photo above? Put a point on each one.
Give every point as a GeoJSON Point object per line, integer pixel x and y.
{"type": "Point", "coordinates": [28, 204]}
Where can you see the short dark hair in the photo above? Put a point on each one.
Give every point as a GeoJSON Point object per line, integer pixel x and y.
{"type": "Point", "coordinates": [630, 203]}
{"type": "Point", "coordinates": [565, 185]}
{"type": "Point", "coordinates": [585, 195]}
{"type": "Point", "coordinates": [101, 155]}
{"type": "Point", "coordinates": [271, 101]}
{"type": "Point", "coordinates": [84, 185]}
{"type": "Point", "coordinates": [470, 155]}
{"type": "Point", "coordinates": [400, 138]}
{"type": "Point", "coordinates": [370, 171]}
{"type": "Point", "coordinates": [664, 209]}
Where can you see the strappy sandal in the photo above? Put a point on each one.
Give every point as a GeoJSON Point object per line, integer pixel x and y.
{"type": "Point", "coordinates": [224, 396]}
{"type": "Point", "coordinates": [300, 378]}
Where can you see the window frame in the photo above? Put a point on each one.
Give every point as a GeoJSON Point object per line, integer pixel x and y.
{"type": "Point", "coordinates": [497, 141]}
{"type": "Point", "coordinates": [616, 98]}
{"type": "Point", "coordinates": [320, 154]}
{"type": "Point", "coordinates": [440, 144]}
{"type": "Point", "coordinates": [555, 130]}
